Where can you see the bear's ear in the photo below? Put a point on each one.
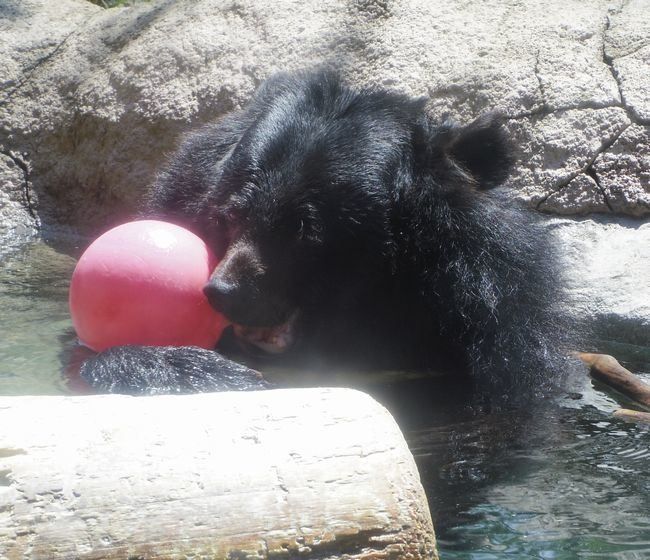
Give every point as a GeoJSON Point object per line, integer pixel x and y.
{"type": "Point", "coordinates": [482, 149]}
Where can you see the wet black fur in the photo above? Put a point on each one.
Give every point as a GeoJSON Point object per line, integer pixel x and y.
{"type": "Point", "coordinates": [155, 370]}
{"type": "Point", "coordinates": [379, 225]}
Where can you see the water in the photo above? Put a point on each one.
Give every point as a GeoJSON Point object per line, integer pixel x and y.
{"type": "Point", "coordinates": [560, 482]}
{"type": "Point", "coordinates": [34, 318]}
{"type": "Point", "coordinates": [576, 486]}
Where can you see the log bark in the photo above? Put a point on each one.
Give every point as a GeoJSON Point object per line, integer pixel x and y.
{"type": "Point", "coordinates": [606, 369]}
{"type": "Point", "coordinates": [296, 473]}
{"type": "Point", "coordinates": [633, 415]}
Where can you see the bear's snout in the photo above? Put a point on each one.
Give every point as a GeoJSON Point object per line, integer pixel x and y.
{"type": "Point", "coordinates": [234, 284]}
{"type": "Point", "coordinates": [220, 293]}
{"type": "Point", "coordinates": [243, 290]}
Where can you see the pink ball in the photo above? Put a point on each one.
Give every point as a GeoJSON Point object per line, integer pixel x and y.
{"type": "Point", "coordinates": [142, 283]}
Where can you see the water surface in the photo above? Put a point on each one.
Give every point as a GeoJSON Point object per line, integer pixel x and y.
{"type": "Point", "coordinates": [34, 318]}
{"type": "Point", "coordinates": [560, 482]}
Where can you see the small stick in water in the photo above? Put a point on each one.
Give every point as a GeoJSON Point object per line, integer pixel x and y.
{"type": "Point", "coordinates": [606, 369]}
{"type": "Point", "coordinates": [633, 415]}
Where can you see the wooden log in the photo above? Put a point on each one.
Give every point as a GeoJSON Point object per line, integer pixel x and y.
{"type": "Point", "coordinates": [633, 415]}
{"type": "Point", "coordinates": [295, 473]}
{"type": "Point", "coordinates": [606, 369]}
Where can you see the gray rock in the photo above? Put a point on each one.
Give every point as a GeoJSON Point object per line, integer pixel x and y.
{"type": "Point", "coordinates": [17, 220]}
{"type": "Point", "coordinates": [569, 64]}
{"type": "Point", "coordinates": [633, 73]}
{"type": "Point", "coordinates": [31, 33]}
{"type": "Point", "coordinates": [98, 98]}
{"type": "Point", "coordinates": [608, 268]}
{"type": "Point", "coordinates": [581, 195]}
{"type": "Point", "coordinates": [627, 50]}
{"type": "Point", "coordinates": [623, 172]}
{"type": "Point", "coordinates": [555, 149]}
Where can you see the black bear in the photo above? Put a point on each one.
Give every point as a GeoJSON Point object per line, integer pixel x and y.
{"type": "Point", "coordinates": [354, 228]}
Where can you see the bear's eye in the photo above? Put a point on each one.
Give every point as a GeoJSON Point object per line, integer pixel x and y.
{"type": "Point", "coordinates": [298, 224]}
{"type": "Point", "coordinates": [290, 227]}
{"type": "Point", "coordinates": [230, 221]}
{"type": "Point", "coordinates": [308, 230]}
{"type": "Point", "coordinates": [231, 214]}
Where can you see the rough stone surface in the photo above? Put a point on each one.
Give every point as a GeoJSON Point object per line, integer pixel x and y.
{"type": "Point", "coordinates": [581, 195]}
{"type": "Point", "coordinates": [556, 148]}
{"type": "Point", "coordinates": [608, 267]}
{"type": "Point", "coordinates": [97, 98]}
{"type": "Point", "coordinates": [31, 33]}
{"type": "Point", "coordinates": [17, 221]}
{"type": "Point", "coordinates": [634, 76]}
{"type": "Point", "coordinates": [627, 51]}
{"type": "Point", "coordinates": [623, 171]}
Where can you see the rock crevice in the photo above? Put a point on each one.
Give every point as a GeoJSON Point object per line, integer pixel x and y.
{"type": "Point", "coordinates": [28, 202]}
{"type": "Point", "coordinates": [587, 169]}
{"type": "Point", "coordinates": [609, 62]}
{"type": "Point", "coordinates": [32, 69]}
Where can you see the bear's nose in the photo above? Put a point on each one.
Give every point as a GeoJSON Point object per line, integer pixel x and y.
{"type": "Point", "coordinates": [220, 294]}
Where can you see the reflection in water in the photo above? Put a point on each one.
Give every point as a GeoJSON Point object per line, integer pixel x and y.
{"type": "Point", "coordinates": [33, 316]}
{"type": "Point", "coordinates": [561, 481]}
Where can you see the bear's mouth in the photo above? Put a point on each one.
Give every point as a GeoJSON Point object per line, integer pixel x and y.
{"type": "Point", "coordinates": [272, 340]}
